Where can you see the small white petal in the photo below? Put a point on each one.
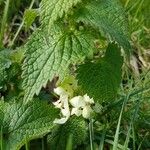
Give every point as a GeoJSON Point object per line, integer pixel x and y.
{"type": "Point", "coordinates": [60, 91]}
{"type": "Point", "coordinates": [65, 102]}
{"type": "Point", "coordinates": [87, 110]}
{"type": "Point", "coordinates": [76, 111]}
{"type": "Point", "coordinates": [87, 99]}
{"type": "Point", "coordinates": [65, 112]}
{"type": "Point", "coordinates": [60, 121]}
{"type": "Point", "coordinates": [65, 107]}
{"type": "Point", "coordinates": [77, 102]}
{"type": "Point", "coordinates": [58, 104]}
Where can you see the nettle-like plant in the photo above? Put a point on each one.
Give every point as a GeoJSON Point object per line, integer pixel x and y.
{"type": "Point", "coordinates": [66, 35]}
{"type": "Point", "coordinates": [70, 32]}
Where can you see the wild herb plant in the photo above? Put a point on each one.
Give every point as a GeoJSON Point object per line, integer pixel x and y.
{"type": "Point", "coordinates": [63, 88]}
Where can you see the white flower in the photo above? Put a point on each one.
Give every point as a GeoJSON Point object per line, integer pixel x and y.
{"type": "Point", "coordinates": [87, 99]}
{"type": "Point", "coordinates": [81, 106]}
{"type": "Point", "coordinates": [76, 111]}
{"type": "Point", "coordinates": [60, 91]}
{"type": "Point", "coordinates": [58, 104]}
{"type": "Point", "coordinates": [77, 102]}
{"type": "Point", "coordinates": [62, 104]}
{"type": "Point", "coordinates": [60, 121]}
{"type": "Point", "coordinates": [87, 110]}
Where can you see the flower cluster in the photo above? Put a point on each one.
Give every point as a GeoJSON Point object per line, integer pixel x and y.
{"type": "Point", "coordinates": [80, 105]}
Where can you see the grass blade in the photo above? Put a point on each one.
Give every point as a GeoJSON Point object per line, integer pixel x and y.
{"type": "Point", "coordinates": [101, 145]}
{"type": "Point", "coordinates": [116, 138]}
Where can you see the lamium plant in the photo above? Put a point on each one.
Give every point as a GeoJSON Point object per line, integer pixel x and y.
{"type": "Point", "coordinates": [55, 85]}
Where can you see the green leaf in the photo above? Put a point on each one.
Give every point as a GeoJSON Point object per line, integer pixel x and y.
{"type": "Point", "coordinates": [22, 123]}
{"type": "Point", "coordinates": [49, 55]}
{"type": "Point", "coordinates": [75, 128]}
{"type": "Point", "coordinates": [101, 79]}
{"type": "Point", "coordinates": [51, 10]}
{"type": "Point", "coordinates": [108, 16]}
{"type": "Point", "coordinates": [29, 16]}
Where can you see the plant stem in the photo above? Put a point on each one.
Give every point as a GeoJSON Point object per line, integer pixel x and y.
{"type": "Point", "coordinates": [26, 144]}
{"type": "Point", "coordinates": [91, 134]}
{"type": "Point", "coordinates": [3, 23]}
{"type": "Point", "coordinates": [126, 4]}
{"type": "Point", "coordinates": [20, 27]}
{"type": "Point", "coordinates": [101, 145]}
{"type": "Point", "coordinates": [43, 147]}
{"type": "Point", "coordinates": [69, 142]}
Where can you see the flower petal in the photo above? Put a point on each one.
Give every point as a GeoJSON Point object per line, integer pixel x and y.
{"type": "Point", "coordinates": [76, 111]}
{"type": "Point", "coordinates": [77, 102]}
{"type": "Point", "coordinates": [60, 121]}
{"type": "Point", "coordinates": [65, 107]}
{"type": "Point", "coordinates": [60, 91]}
{"type": "Point", "coordinates": [58, 104]}
{"type": "Point", "coordinates": [87, 99]}
{"type": "Point", "coordinates": [87, 110]}
{"type": "Point", "coordinates": [65, 112]}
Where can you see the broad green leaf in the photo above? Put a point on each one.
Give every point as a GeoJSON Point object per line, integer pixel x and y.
{"type": "Point", "coordinates": [109, 17]}
{"type": "Point", "coordinates": [75, 128]}
{"type": "Point", "coordinates": [29, 16]}
{"type": "Point", "coordinates": [101, 79]}
{"type": "Point", "coordinates": [49, 55]}
{"type": "Point", "coordinates": [51, 10]}
{"type": "Point", "coordinates": [22, 123]}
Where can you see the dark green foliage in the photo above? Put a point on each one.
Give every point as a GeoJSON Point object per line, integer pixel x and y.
{"type": "Point", "coordinates": [101, 79]}
{"type": "Point", "coordinates": [51, 10]}
{"type": "Point", "coordinates": [107, 16]}
{"type": "Point", "coordinates": [25, 122]}
{"type": "Point", "coordinates": [62, 34]}
{"type": "Point", "coordinates": [49, 55]}
{"type": "Point", "coordinates": [75, 128]}
{"type": "Point", "coordinates": [57, 44]}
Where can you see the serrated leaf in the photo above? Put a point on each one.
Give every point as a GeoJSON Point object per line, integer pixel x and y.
{"type": "Point", "coordinates": [101, 79]}
{"type": "Point", "coordinates": [76, 127]}
{"type": "Point", "coordinates": [22, 123]}
{"type": "Point", "coordinates": [50, 55]}
{"type": "Point", "coordinates": [29, 16]}
{"type": "Point", "coordinates": [51, 10]}
{"type": "Point", "coordinates": [108, 16]}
